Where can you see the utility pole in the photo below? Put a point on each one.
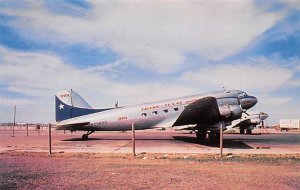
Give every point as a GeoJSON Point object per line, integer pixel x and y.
{"type": "Point", "coordinates": [15, 111]}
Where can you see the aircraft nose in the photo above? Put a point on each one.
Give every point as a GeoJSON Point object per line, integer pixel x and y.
{"type": "Point", "coordinates": [264, 116]}
{"type": "Point", "coordinates": [248, 102]}
{"type": "Point", "coordinates": [254, 100]}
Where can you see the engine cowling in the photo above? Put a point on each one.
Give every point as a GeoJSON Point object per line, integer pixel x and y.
{"type": "Point", "coordinates": [230, 112]}
{"type": "Point", "coordinates": [225, 111]}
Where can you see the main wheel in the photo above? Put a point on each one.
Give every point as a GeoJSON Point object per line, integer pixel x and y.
{"type": "Point", "coordinates": [201, 135]}
{"type": "Point", "coordinates": [85, 137]}
{"type": "Point", "coordinates": [242, 131]}
{"type": "Point", "coordinates": [214, 137]}
{"type": "Point", "coordinates": [249, 131]}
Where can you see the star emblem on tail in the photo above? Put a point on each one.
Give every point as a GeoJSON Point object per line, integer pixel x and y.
{"type": "Point", "coordinates": [61, 106]}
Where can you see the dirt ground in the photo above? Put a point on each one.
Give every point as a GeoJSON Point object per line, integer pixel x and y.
{"type": "Point", "coordinates": [24, 170]}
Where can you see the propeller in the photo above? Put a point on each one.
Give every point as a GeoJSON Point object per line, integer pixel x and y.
{"type": "Point", "coordinates": [262, 117]}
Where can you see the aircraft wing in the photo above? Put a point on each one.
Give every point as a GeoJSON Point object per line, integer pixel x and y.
{"type": "Point", "coordinates": [169, 122]}
{"type": "Point", "coordinates": [242, 123]}
{"type": "Point", "coordinates": [203, 111]}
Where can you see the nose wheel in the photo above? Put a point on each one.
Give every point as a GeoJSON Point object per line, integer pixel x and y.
{"type": "Point", "coordinates": [86, 136]}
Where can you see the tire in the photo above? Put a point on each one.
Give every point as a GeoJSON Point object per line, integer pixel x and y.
{"type": "Point", "coordinates": [242, 131]}
{"type": "Point", "coordinates": [214, 137]}
{"type": "Point", "coordinates": [249, 131]}
{"type": "Point", "coordinates": [85, 137]}
{"type": "Point", "coordinates": [201, 136]}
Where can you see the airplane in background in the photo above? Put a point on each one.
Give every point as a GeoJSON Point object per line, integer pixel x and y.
{"type": "Point", "coordinates": [249, 121]}
{"type": "Point", "coordinates": [205, 111]}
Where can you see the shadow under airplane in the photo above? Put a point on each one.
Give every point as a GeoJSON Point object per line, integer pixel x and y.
{"type": "Point", "coordinates": [227, 143]}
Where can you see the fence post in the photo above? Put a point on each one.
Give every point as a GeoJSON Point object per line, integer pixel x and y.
{"type": "Point", "coordinates": [221, 139]}
{"type": "Point", "coordinates": [133, 139]}
{"type": "Point", "coordinates": [50, 143]}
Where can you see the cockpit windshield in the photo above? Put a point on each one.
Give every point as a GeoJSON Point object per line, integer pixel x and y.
{"type": "Point", "coordinates": [242, 95]}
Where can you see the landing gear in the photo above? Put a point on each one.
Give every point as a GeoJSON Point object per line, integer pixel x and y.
{"type": "Point", "coordinates": [86, 136]}
{"type": "Point", "coordinates": [242, 131]}
{"type": "Point", "coordinates": [201, 135]}
{"type": "Point", "coordinates": [249, 131]}
{"type": "Point", "coordinates": [214, 136]}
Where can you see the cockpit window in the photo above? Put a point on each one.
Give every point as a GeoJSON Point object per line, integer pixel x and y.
{"type": "Point", "coordinates": [227, 101]}
{"type": "Point", "coordinates": [242, 95]}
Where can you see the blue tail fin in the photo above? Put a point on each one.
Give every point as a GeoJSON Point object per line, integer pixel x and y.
{"type": "Point", "coordinates": [69, 104]}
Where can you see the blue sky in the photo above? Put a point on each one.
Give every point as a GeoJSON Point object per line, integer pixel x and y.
{"type": "Point", "coordinates": [136, 51]}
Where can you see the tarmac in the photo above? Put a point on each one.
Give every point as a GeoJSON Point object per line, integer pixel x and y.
{"type": "Point", "coordinates": [147, 141]}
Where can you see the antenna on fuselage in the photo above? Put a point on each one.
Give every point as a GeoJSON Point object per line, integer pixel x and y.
{"type": "Point", "coordinates": [117, 104]}
{"type": "Point", "coordinates": [225, 91]}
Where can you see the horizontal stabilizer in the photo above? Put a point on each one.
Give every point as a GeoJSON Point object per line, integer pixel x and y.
{"type": "Point", "coordinates": [71, 126]}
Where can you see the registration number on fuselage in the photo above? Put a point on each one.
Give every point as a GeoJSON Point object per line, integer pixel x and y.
{"type": "Point", "coordinates": [99, 123]}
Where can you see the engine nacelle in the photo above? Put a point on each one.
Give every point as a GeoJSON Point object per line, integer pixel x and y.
{"type": "Point", "coordinates": [225, 111]}
{"type": "Point", "coordinates": [236, 112]}
{"type": "Point", "coordinates": [230, 112]}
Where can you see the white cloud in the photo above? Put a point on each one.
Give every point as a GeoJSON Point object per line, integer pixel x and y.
{"type": "Point", "coordinates": [152, 34]}
{"type": "Point", "coordinates": [294, 83]}
{"type": "Point", "coordinates": [256, 75]}
{"type": "Point", "coordinates": [40, 75]}
{"type": "Point", "coordinates": [274, 101]}
{"type": "Point", "coordinates": [9, 102]}
{"type": "Point", "coordinates": [293, 4]}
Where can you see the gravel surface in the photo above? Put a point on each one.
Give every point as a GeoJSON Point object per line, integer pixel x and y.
{"type": "Point", "coordinates": [27, 170]}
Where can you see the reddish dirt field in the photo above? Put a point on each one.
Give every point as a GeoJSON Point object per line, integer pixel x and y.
{"type": "Point", "coordinates": [21, 170]}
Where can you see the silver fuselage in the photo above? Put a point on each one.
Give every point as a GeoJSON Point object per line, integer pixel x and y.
{"type": "Point", "coordinates": [152, 114]}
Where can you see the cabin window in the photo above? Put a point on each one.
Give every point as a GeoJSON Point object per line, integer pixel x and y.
{"type": "Point", "coordinates": [166, 110]}
{"type": "Point", "coordinates": [144, 114]}
{"type": "Point", "coordinates": [176, 109]}
{"type": "Point", "coordinates": [154, 112]}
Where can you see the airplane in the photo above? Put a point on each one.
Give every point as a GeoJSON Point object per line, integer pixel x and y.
{"type": "Point", "coordinates": [206, 111]}
{"type": "Point", "coordinates": [248, 121]}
